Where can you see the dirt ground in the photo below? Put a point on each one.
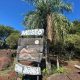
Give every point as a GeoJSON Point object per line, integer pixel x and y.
{"type": "Point", "coordinates": [70, 76]}
{"type": "Point", "coordinates": [70, 66]}
{"type": "Point", "coordinates": [72, 72]}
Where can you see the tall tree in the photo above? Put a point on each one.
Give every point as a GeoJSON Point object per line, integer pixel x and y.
{"type": "Point", "coordinates": [12, 40]}
{"type": "Point", "coordinates": [5, 31]}
{"type": "Point", "coordinates": [44, 16]}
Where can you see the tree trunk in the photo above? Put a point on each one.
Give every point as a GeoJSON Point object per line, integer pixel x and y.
{"type": "Point", "coordinates": [49, 28]}
{"type": "Point", "coordinates": [57, 62]}
{"type": "Point", "coordinates": [49, 40]}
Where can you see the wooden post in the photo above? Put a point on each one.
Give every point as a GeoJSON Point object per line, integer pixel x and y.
{"type": "Point", "coordinates": [57, 62]}
{"type": "Point", "coordinates": [48, 64]}
{"type": "Point", "coordinates": [16, 75]}
{"type": "Point", "coordinates": [38, 75]}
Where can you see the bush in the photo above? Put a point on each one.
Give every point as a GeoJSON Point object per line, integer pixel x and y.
{"type": "Point", "coordinates": [59, 71]}
{"type": "Point", "coordinates": [45, 72]}
{"type": "Point", "coordinates": [12, 40]}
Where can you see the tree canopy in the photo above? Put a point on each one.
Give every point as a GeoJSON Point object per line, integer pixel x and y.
{"type": "Point", "coordinates": [5, 32]}
{"type": "Point", "coordinates": [37, 18]}
{"type": "Point", "coordinates": [46, 15]}
{"type": "Point", "coordinates": [12, 40]}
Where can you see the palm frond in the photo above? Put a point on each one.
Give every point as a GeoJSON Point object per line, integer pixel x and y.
{"type": "Point", "coordinates": [61, 28]}
{"type": "Point", "coordinates": [33, 20]}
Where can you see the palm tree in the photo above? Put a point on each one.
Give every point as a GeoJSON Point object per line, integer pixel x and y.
{"type": "Point", "coordinates": [44, 16]}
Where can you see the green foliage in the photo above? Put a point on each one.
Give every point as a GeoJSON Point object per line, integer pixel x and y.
{"type": "Point", "coordinates": [75, 29]}
{"type": "Point", "coordinates": [45, 72]}
{"type": "Point", "coordinates": [72, 40]}
{"type": "Point", "coordinates": [5, 32]}
{"type": "Point", "coordinates": [1, 43]}
{"type": "Point", "coordinates": [20, 76]}
{"type": "Point", "coordinates": [61, 28]}
{"type": "Point", "coordinates": [74, 34]}
{"type": "Point", "coordinates": [38, 18]}
{"type": "Point", "coordinates": [76, 25]}
{"type": "Point", "coordinates": [60, 70]}
{"type": "Point", "coordinates": [54, 70]}
{"type": "Point", "coordinates": [12, 40]}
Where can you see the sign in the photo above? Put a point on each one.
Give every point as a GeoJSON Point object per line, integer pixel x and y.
{"type": "Point", "coordinates": [30, 41]}
{"type": "Point", "coordinates": [30, 55]}
{"type": "Point", "coordinates": [23, 69]}
{"type": "Point", "coordinates": [30, 49]}
{"type": "Point", "coordinates": [37, 32]}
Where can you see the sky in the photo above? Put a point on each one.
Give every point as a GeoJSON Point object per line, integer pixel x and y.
{"type": "Point", "coordinates": [12, 12]}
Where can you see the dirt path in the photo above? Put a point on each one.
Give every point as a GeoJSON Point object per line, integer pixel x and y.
{"type": "Point", "coordinates": [73, 76]}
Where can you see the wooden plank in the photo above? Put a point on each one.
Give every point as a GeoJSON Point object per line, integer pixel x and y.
{"type": "Point", "coordinates": [77, 66]}
{"type": "Point", "coordinates": [38, 48]}
{"type": "Point", "coordinates": [29, 41]}
{"type": "Point", "coordinates": [37, 32]}
{"type": "Point", "coordinates": [23, 69]}
{"type": "Point", "coordinates": [30, 54]}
